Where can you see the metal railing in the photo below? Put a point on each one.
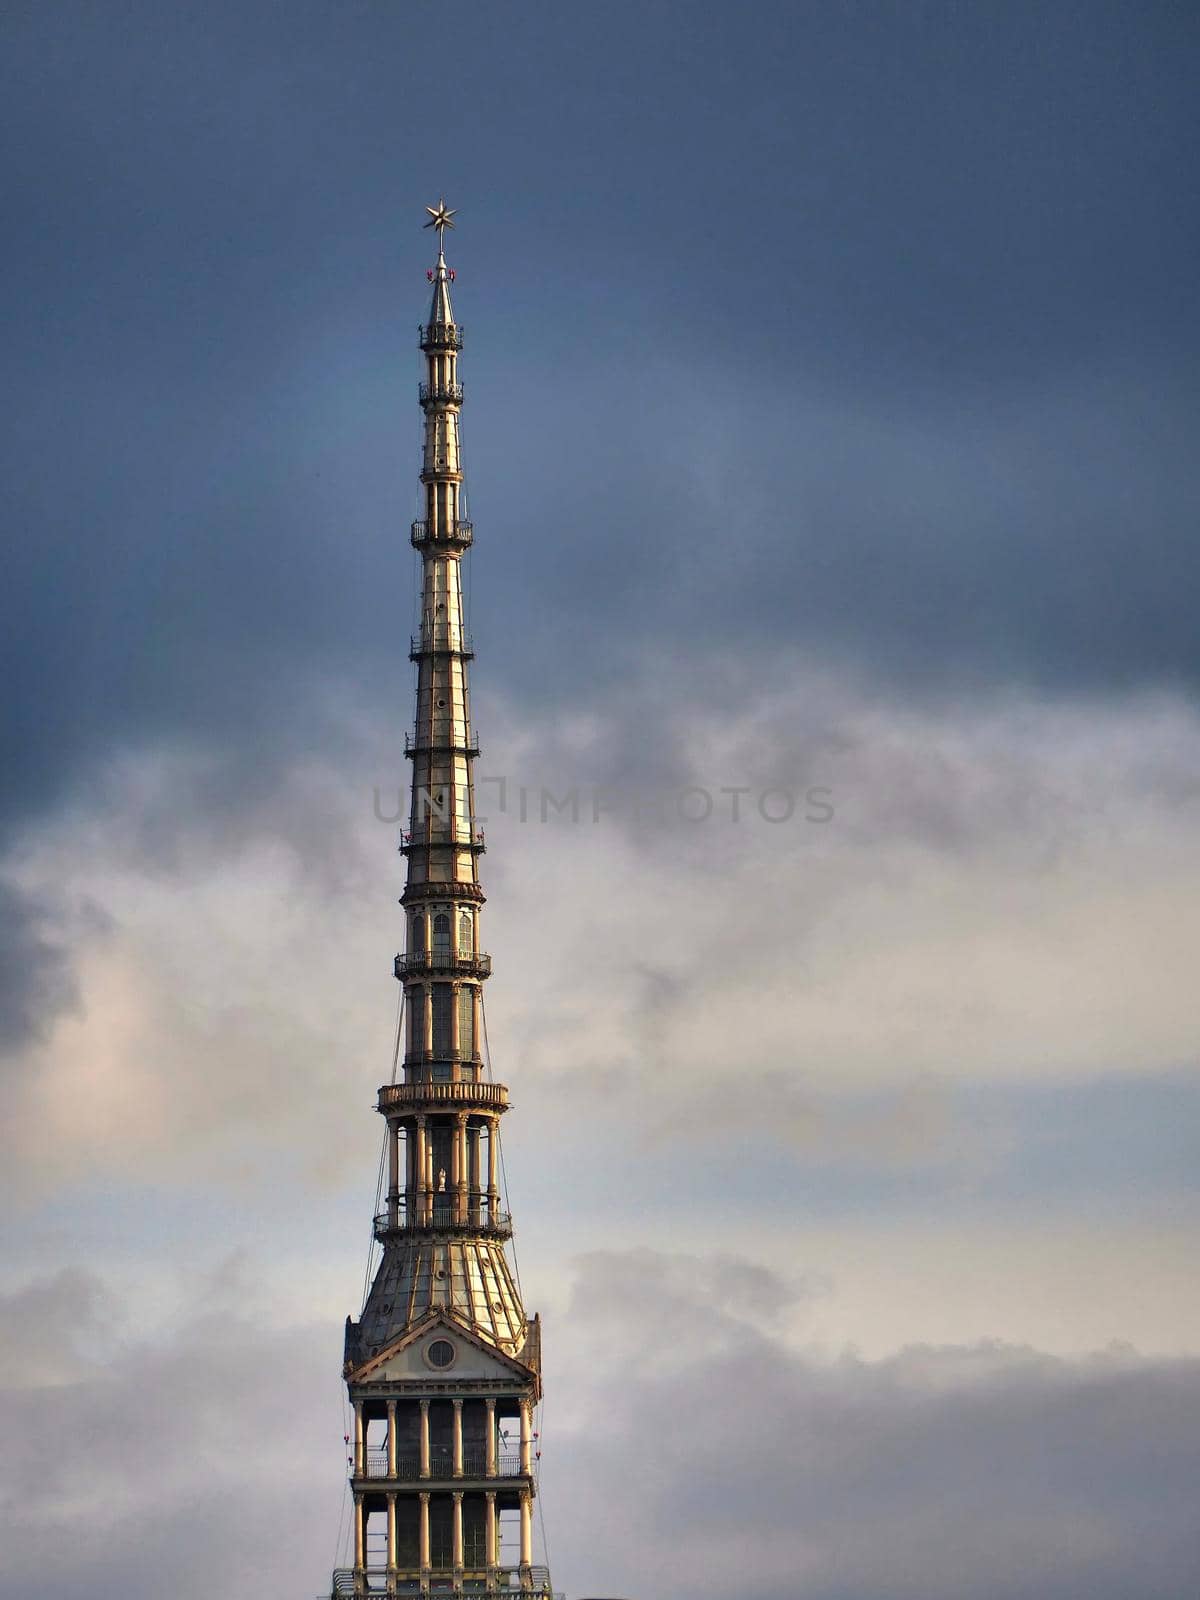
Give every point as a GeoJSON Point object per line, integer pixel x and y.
{"type": "Point", "coordinates": [474, 964]}
{"type": "Point", "coordinates": [462, 739]}
{"type": "Point", "coordinates": [443, 834]}
{"type": "Point", "coordinates": [458, 533]}
{"type": "Point", "coordinates": [479, 1218]}
{"type": "Point", "coordinates": [450, 641]}
{"type": "Point", "coordinates": [441, 1463]}
{"type": "Point", "coordinates": [484, 1581]}
{"type": "Point", "coordinates": [449, 393]}
{"type": "Point", "coordinates": [493, 1095]}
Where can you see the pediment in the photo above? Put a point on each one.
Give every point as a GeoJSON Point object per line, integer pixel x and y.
{"type": "Point", "coordinates": [415, 1355]}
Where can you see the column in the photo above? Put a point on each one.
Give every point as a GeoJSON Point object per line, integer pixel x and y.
{"type": "Point", "coordinates": [473, 1172]}
{"type": "Point", "coordinates": [419, 1158]}
{"type": "Point", "coordinates": [526, 1530]}
{"type": "Point", "coordinates": [493, 1166]}
{"type": "Point", "coordinates": [426, 1018]}
{"type": "Point", "coordinates": [490, 1459]}
{"type": "Point", "coordinates": [393, 1543]}
{"type": "Point", "coordinates": [457, 1547]}
{"type": "Point", "coordinates": [393, 1442]}
{"type": "Point", "coordinates": [393, 1195]}
{"type": "Point", "coordinates": [410, 1174]}
{"type": "Point", "coordinates": [360, 1533]}
{"type": "Point", "coordinates": [454, 988]}
{"type": "Point", "coordinates": [458, 1166]}
{"type": "Point", "coordinates": [457, 1441]}
{"type": "Point", "coordinates": [360, 1441]}
{"type": "Point", "coordinates": [424, 1438]}
{"type": "Point", "coordinates": [423, 1547]}
{"type": "Point", "coordinates": [526, 1438]}
{"type": "Point", "coordinates": [478, 1004]}
{"type": "Point", "coordinates": [489, 1528]}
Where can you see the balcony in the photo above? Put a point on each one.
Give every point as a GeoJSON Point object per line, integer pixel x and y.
{"type": "Point", "coordinates": [502, 1581]}
{"type": "Point", "coordinates": [479, 1219]}
{"type": "Point", "coordinates": [460, 741]}
{"type": "Point", "coordinates": [448, 394]}
{"type": "Point", "coordinates": [440, 641]}
{"type": "Point", "coordinates": [461, 838]}
{"type": "Point", "coordinates": [441, 1464]}
{"type": "Point", "coordinates": [459, 534]}
{"type": "Point", "coordinates": [401, 1096]}
{"type": "Point", "coordinates": [441, 335]}
{"type": "Point", "coordinates": [460, 962]}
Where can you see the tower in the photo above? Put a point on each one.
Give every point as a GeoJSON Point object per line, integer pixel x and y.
{"type": "Point", "coordinates": [443, 1366]}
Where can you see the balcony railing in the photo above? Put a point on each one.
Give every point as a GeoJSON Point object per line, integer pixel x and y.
{"type": "Point", "coordinates": [395, 1096]}
{"type": "Point", "coordinates": [463, 740]}
{"type": "Point", "coordinates": [464, 962]}
{"type": "Point", "coordinates": [464, 838]}
{"type": "Point", "coordinates": [479, 1218]}
{"type": "Point", "coordinates": [441, 335]}
{"type": "Point", "coordinates": [440, 393]}
{"type": "Point", "coordinates": [458, 533]}
{"type": "Point", "coordinates": [450, 641]}
{"type": "Point", "coordinates": [441, 1463]}
{"type": "Point", "coordinates": [484, 1581]}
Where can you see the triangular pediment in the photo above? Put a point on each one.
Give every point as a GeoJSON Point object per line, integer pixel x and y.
{"type": "Point", "coordinates": [418, 1354]}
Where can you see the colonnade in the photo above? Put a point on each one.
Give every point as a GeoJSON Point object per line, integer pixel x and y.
{"type": "Point", "coordinates": [424, 1445]}
{"type": "Point", "coordinates": [457, 1554]}
{"type": "Point", "coordinates": [469, 1201]}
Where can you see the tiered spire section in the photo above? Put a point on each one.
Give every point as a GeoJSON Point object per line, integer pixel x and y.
{"type": "Point", "coordinates": [443, 1367]}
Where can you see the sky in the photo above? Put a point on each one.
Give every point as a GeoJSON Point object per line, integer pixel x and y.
{"type": "Point", "coordinates": [830, 412]}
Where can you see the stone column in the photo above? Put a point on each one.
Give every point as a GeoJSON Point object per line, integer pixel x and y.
{"type": "Point", "coordinates": [392, 1541]}
{"type": "Point", "coordinates": [493, 1166]}
{"type": "Point", "coordinates": [457, 1547]}
{"type": "Point", "coordinates": [473, 1172]}
{"type": "Point", "coordinates": [454, 1038]}
{"type": "Point", "coordinates": [393, 1443]}
{"type": "Point", "coordinates": [424, 1438]}
{"type": "Point", "coordinates": [489, 1528]}
{"type": "Point", "coordinates": [360, 1440]}
{"type": "Point", "coordinates": [426, 1018]}
{"type": "Point", "coordinates": [526, 1532]}
{"type": "Point", "coordinates": [457, 1440]}
{"type": "Point", "coordinates": [490, 1459]}
{"type": "Point", "coordinates": [393, 1195]}
{"type": "Point", "coordinates": [423, 1546]}
{"type": "Point", "coordinates": [410, 1174]}
{"type": "Point", "coordinates": [422, 1145]}
{"type": "Point", "coordinates": [526, 1438]}
{"type": "Point", "coordinates": [458, 1166]}
{"type": "Point", "coordinates": [360, 1534]}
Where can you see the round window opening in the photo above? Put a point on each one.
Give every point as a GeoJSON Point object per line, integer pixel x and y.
{"type": "Point", "coordinates": [440, 1353]}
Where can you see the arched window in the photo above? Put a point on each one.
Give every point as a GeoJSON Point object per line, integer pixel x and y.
{"type": "Point", "coordinates": [465, 930]}
{"type": "Point", "coordinates": [416, 931]}
{"type": "Point", "coordinates": [441, 934]}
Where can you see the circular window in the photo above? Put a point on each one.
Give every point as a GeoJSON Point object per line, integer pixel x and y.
{"type": "Point", "coordinates": [440, 1353]}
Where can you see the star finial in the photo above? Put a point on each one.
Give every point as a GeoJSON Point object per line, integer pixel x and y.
{"type": "Point", "coordinates": [440, 218]}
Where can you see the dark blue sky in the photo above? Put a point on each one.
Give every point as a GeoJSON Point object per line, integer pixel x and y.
{"type": "Point", "coordinates": [865, 329]}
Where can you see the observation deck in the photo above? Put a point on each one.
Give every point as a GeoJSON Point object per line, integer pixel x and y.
{"type": "Point", "coordinates": [430, 1096]}
{"type": "Point", "coordinates": [461, 741]}
{"type": "Point", "coordinates": [456, 963]}
{"type": "Point", "coordinates": [479, 1219]}
{"type": "Point", "coordinates": [458, 536]}
{"type": "Point", "coordinates": [444, 394]}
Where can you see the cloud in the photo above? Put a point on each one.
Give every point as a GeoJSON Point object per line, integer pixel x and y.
{"type": "Point", "coordinates": [690, 1441]}
{"type": "Point", "coordinates": [712, 1453]}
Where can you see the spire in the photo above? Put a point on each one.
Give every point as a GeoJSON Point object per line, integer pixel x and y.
{"type": "Point", "coordinates": [443, 1360]}
{"type": "Point", "coordinates": [440, 310]}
